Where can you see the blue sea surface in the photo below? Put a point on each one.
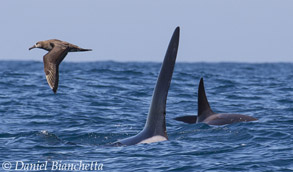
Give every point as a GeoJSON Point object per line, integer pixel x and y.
{"type": "Point", "coordinates": [101, 102]}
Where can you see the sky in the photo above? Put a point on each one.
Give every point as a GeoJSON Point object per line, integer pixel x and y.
{"type": "Point", "coordinates": [140, 30]}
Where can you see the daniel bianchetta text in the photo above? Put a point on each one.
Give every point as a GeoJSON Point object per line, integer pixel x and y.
{"type": "Point", "coordinates": [78, 165]}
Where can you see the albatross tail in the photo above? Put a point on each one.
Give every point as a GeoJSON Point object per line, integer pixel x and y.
{"type": "Point", "coordinates": [83, 49]}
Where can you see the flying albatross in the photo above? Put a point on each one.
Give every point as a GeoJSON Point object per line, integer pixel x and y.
{"type": "Point", "coordinates": [57, 52]}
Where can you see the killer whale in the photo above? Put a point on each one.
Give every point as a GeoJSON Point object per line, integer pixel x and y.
{"type": "Point", "coordinates": [206, 115]}
{"type": "Point", "coordinates": [155, 126]}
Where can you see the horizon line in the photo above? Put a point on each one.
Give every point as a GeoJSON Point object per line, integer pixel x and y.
{"type": "Point", "coordinates": [130, 61]}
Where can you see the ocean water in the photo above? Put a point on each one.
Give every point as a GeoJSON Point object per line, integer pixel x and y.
{"type": "Point", "coordinates": [101, 102]}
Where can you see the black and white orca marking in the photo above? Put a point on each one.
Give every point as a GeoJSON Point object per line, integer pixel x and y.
{"type": "Point", "coordinates": [206, 115]}
{"type": "Point", "coordinates": [155, 126]}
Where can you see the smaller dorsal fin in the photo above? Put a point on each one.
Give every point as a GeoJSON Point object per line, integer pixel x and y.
{"type": "Point", "coordinates": [204, 109]}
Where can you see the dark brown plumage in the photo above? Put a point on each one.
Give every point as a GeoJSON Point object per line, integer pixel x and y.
{"type": "Point", "coordinates": [57, 52]}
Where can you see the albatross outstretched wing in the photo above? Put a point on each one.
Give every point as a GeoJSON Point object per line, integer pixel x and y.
{"type": "Point", "coordinates": [51, 65]}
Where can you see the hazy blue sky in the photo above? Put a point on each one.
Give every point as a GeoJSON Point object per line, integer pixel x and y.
{"type": "Point", "coordinates": [136, 30]}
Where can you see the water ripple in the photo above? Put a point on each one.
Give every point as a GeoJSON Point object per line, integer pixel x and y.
{"type": "Point", "coordinates": [101, 102]}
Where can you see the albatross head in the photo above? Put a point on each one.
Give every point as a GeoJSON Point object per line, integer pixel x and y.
{"type": "Point", "coordinates": [37, 45]}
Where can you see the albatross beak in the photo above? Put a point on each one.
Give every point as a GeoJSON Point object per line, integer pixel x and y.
{"type": "Point", "coordinates": [32, 47]}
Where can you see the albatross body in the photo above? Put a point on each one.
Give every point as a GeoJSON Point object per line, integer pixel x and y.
{"type": "Point", "coordinates": [57, 51]}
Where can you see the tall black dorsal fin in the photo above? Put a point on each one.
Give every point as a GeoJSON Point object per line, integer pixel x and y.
{"type": "Point", "coordinates": [204, 109]}
{"type": "Point", "coordinates": [157, 111]}
{"type": "Point", "coordinates": [155, 126]}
